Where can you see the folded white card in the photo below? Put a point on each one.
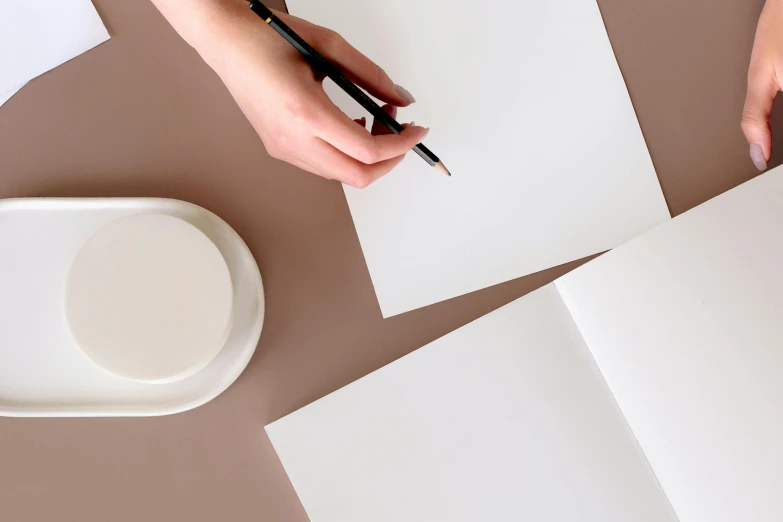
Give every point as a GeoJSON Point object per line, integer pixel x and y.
{"type": "Point", "coordinates": [528, 110]}
{"type": "Point", "coordinates": [505, 419]}
{"type": "Point", "coordinates": [643, 386]}
{"type": "Point", "coordinates": [38, 36]}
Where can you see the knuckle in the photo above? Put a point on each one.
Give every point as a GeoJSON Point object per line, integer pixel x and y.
{"type": "Point", "coordinates": [357, 177]}
{"type": "Point", "coordinates": [273, 151]}
{"type": "Point", "coordinates": [749, 121]}
{"type": "Point", "coordinates": [360, 182]}
{"type": "Point", "coordinates": [368, 153]}
{"type": "Point", "coordinates": [378, 75]}
{"type": "Point", "coordinates": [277, 146]}
{"type": "Point", "coordinates": [330, 40]}
{"type": "Point", "coordinates": [301, 112]}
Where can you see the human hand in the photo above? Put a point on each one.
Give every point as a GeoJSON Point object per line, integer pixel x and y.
{"type": "Point", "coordinates": [765, 80]}
{"type": "Point", "coordinates": [285, 102]}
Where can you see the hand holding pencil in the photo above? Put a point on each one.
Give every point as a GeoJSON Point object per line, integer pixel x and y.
{"type": "Point", "coordinates": [283, 98]}
{"type": "Point", "coordinates": [322, 65]}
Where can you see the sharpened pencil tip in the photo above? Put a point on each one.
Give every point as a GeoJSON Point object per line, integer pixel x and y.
{"type": "Point", "coordinates": [442, 168]}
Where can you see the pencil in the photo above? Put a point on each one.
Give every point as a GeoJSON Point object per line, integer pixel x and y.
{"type": "Point", "coordinates": [326, 67]}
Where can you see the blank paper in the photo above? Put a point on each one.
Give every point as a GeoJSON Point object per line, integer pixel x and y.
{"type": "Point", "coordinates": [38, 36]}
{"type": "Point", "coordinates": [528, 110]}
{"type": "Point", "coordinates": [505, 419]}
{"type": "Point", "coordinates": [686, 324]}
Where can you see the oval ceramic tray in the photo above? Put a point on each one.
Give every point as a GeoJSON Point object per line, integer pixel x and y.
{"type": "Point", "coordinates": [42, 372]}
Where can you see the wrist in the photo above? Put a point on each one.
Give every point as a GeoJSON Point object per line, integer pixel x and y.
{"type": "Point", "coordinates": [200, 22]}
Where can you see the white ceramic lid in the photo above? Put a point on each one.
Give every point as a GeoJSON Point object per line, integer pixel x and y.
{"type": "Point", "coordinates": [149, 298]}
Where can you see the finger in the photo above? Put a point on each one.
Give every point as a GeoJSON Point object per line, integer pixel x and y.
{"type": "Point", "coordinates": [356, 66]}
{"type": "Point", "coordinates": [334, 164]}
{"type": "Point", "coordinates": [338, 130]}
{"type": "Point", "coordinates": [361, 70]}
{"type": "Point", "coordinates": [378, 128]}
{"type": "Point", "coordinates": [762, 90]}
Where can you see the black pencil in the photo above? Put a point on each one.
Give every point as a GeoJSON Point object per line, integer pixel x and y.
{"type": "Point", "coordinates": [326, 67]}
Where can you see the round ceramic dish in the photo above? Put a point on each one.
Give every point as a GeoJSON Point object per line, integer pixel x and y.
{"type": "Point", "coordinates": [148, 298]}
{"type": "Point", "coordinates": [42, 371]}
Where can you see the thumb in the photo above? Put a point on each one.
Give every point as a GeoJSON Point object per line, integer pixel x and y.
{"type": "Point", "coordinates": [755, 118]}
{"type": "Point", "coordinates": [363, 71]}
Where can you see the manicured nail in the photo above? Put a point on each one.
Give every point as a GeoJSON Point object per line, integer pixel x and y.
{"type": "Point", "coordinates": [757, 156]}
{"type": "Point", "coordinates": [426, 133]}
{"type": "Point", "coordinates": [404, 94]}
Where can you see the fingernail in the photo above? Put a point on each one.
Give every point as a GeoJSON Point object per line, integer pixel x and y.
{"type": "Point", "coordinates": [413, 123]}
{"type": "Point", "coordinates": [404, 94]}
{"type": "Point", "coordinates": [426, 133]}
{"type": "Point", "coordinates": [757, 156]}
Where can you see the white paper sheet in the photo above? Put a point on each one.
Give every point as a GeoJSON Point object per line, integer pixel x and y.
{"type": "Point", "coordinates": [686, 324]}
{"type": "Point", "coordinates": [38, 36]}
{"type": "Point", "coordinates": [505, 419]}
{"type": "Point", "coordinates": [530, 112]}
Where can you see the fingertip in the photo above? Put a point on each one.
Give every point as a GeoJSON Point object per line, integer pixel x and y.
{"type": "Point", "coordinates": [759, 100]}
{"type": "Point", "coordinates": [404, 95]}
{"type": "Point", "coordinates": [758, 157]}
{"type": "Point", "coordinates": [758, 132]}
{"type": "Point", "coordinates": [417, 133]}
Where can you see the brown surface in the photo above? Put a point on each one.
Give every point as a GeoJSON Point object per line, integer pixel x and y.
{"type": "Point", "coordinates": [143, 116]}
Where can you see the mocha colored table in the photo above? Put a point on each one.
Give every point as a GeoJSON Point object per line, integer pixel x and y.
{"type": "Point", "coordinates": [141, 115]}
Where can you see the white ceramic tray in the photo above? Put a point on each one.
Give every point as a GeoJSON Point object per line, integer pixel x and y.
{"type": "Point", "coordinates": [42, 372]}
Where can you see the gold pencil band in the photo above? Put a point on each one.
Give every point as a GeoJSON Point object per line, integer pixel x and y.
{"type": "Point", "coordinates": [269, 20]}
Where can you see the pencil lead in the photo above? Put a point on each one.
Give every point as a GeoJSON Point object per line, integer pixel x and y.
{"type": "Point", "coordinates": [442, 168]}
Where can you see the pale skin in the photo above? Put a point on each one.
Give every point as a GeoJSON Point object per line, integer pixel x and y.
{"type": "Point", "coordinates": [284, 99]}
{"type": "Point", "coordinates": [765, 80]}
{"type": "Point", "coordinates": [286, 104]}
